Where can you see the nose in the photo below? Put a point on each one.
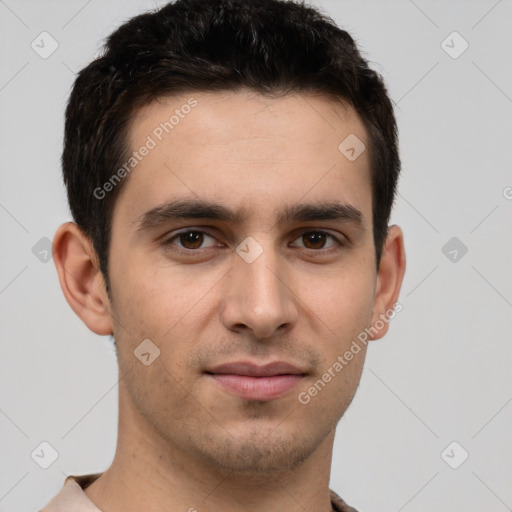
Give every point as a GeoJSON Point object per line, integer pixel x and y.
{"type": "Point", "coordinates": [258, 296]}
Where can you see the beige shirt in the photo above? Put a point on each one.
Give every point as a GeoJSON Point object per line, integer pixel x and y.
{"type": "Point", "coordinates": [72, 497]}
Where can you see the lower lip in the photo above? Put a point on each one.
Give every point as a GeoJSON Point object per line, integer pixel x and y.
{"type": "Point", "coordinates": [257, 388]}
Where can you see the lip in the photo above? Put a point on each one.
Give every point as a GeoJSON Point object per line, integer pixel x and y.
{"type": "Point", "coordinates": [250, 369]}
{"type": "Point", "coordinates": [257, 382]}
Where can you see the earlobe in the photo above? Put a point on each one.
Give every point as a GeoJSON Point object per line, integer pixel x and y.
{"type": "Point", "coordinates": [389, 281]}
{"type": "Point", "coordinates": [80, 278]}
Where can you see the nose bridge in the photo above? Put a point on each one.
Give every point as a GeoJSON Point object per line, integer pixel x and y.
{"type": "Point", "coordinates": [261, 275]}
{"type": "Point", "coordinates": [258, 297]}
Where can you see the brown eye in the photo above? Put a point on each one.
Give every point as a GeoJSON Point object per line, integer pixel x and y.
{"type": "Point", "coordinates": [316, 240]}
{"type": "Point", "coordinates": [190, 240]}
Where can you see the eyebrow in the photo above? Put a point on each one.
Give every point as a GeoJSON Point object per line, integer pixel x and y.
{"type": "Point", "coordinates": [181, 209]}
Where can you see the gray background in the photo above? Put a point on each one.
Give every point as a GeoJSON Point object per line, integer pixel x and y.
{"type": "Point", "coordinates": [442, 374]}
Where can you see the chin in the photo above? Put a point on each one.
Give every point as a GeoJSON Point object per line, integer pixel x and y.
{"type": "Point", "coordinates": [261, 451]}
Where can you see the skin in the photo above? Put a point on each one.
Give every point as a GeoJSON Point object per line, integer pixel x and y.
{"type": "Point", "coordinates": [184, 442]}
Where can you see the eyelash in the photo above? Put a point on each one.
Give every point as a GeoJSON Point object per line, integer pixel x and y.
{"type": "Point", "coordinates": [318, 252]}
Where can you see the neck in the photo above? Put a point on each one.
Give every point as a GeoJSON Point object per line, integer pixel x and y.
{"type": "Point", "coordinates": [151, 473]}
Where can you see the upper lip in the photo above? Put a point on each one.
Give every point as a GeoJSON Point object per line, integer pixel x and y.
{"type": "Point", "coordinates": [254, 370]}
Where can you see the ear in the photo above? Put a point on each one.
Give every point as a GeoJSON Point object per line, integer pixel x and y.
{"type": "Point", "coordinates": [389, 281]}
{"type": "Point", "coordinates": [80, 278]}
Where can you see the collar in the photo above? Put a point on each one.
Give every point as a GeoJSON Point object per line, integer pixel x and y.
{"type": "Point", "coordinates": [72, 497]}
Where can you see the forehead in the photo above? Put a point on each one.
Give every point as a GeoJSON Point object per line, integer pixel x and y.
{"type": "Point", "coordinates": [242, 148]}
{"type": "Point", "coordinates": [296, 116]}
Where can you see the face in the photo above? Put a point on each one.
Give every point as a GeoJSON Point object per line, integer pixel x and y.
{"type": "Point", "coordinates": [242, 248]}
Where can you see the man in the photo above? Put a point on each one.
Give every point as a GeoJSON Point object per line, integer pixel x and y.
{"type": "Point", "coordinates": [231, 167]}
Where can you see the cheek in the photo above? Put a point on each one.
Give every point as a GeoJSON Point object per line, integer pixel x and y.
{"type": "Point", "coordinates": [162, 300]}
{"type": "Point", "coordinates": [157, 307]}
{"type": "Point", "coordinates": [342, 300]}
{"type": "Point", "coordinates": [156, 391]}
{"type": "Point", "coordinates": [171, 310]}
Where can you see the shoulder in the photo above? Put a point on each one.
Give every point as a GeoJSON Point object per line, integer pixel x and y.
{"type": "Point", "coordinates": [71, 497]}
{"type": "Point", "coordinates": [339, 505]}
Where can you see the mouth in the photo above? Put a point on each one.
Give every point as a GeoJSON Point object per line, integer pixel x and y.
{"type": "Point", "coordinates": [257, 382]}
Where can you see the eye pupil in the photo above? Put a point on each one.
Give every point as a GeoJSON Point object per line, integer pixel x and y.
{"type": "Point", "coordinates": [191, 237]}
{"type": "Point", "coordinates": [315, 238]}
